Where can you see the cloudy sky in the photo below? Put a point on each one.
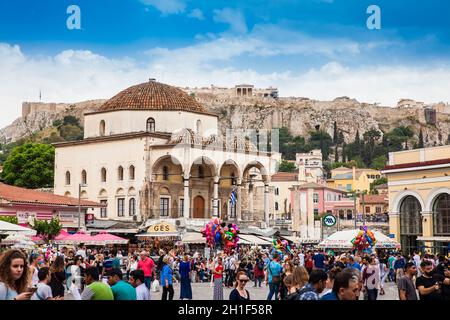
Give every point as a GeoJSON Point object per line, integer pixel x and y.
{"type": "Point", "coordinates": [319, 49]}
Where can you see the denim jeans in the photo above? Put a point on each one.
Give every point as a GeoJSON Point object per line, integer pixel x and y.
{"type": "Point", "coordinates": [273, 289]}
{"type": "Point", "coordinates": [372, 294]}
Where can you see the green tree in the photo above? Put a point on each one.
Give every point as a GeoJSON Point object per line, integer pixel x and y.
{"type": "Point", "coordinates": [9, 219]}
{"type": "Point", "coordinates": [379, 162]}
{"type": "Point", "coordinates": [47, 230]}
{"type": "Point", "coordinates": [30, 166]}
{"type": "Point", "coordinates": [335, 133]}
{"type": "Point", "coordinates": [286, 166]}
{"type": "Point", "coordinates": [377, 182]}
{"type": "Point", "coordinates": [421, 145]}
{"type": "Point", "coordinates": [53, 139]}
{"type": "Point", "coordinates": [336, 154]}
{"type": "Point", "coordinates": [321, 140]}
{"type": "Point", "coordinates": [344, 150]}
{"type": "Point", "coordinates": [71, 132]}
{"type": "Point", "coordinates": [57, 123]}
{"type": "Point", "coordinates": [71, 120]}
{"type": "Point", "coordinates": [371, 139]}
{"type": "Point", "coordinates": [290, 145]}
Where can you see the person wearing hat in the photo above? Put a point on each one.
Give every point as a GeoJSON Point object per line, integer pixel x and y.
{"type": "Point", "coordinates": [121, 290]}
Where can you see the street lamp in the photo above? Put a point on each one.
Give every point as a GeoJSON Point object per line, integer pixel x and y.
{"type": "Point", "coordinates": [80, 185]}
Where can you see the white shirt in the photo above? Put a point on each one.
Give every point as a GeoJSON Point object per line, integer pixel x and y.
{"type": "Point", "coordinates": [301, 256]}
{"type": "Point", "coordinates": [82, 253]}
{"type": "Point", "coordinates": [43, 292]}
{"type": "Point", "coordinates": [417, 260]}
{"type": "Point", "coordinates": [142, 292]}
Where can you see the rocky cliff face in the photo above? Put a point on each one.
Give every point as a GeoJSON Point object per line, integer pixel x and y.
{"type": "Point", "coordinates": [38, 116]}
{"type": "Point", "coordinates": [300, 115]}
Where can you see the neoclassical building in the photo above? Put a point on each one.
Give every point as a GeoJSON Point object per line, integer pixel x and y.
{"type": "Point", "coordinates": [419, 198]}
{"type": "Point", "coordinates": [152, 152]}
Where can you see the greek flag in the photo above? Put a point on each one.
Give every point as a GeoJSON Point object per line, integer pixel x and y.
{"type": "Point", "coordinates": [233, 197]}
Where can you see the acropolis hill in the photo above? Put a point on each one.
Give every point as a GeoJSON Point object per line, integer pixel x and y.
{"type": "Point", "coordinates": [246, 107]}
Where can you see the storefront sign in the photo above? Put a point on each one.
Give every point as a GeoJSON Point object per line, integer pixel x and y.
{"type": "Point", "coordinates": [162, 227]}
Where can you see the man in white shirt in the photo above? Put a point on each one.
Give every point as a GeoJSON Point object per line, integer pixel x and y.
{"type": "Point", "coordinates": [81, 252]}
{"type": "Point", "coordinates": [301, 257]}
{"type": "Point", "coordinates": [137, 280]}
{"type": "Point", "coordinates": [44, 292]}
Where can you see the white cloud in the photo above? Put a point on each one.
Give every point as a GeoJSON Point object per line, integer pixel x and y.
{"type": "Point", "coordinates": [75, 75]}
{"type": "Point", "coordinates": [234, 18]}
{"type": "Point", "coordinates": [166, 6]}
{"type": "Point", "coordinates": [196, 14]}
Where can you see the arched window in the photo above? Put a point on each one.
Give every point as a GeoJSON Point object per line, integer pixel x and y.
{"type": "Point", "coordinates": [150, 125]}
{"type": "Point", "coordinates": [103, 175]}
{"type": "Point", "coordinates": [132, 171]}
{"type": "Point", "coordinates": [120, 173]}
{"type": "Point", "coordinates": [132, 207]}
{"type": "Point", "coordinates": [67, 178]}
{"type": "Point", "coordinates": [102, 128]}
{"type": "Point", "coordinates": [83, 177]}
{"type": "Point", "coordinates": [441, 212]}
{"type": "Point", "coordinates": [410, 218]}
{"type": "Point", "coordinates": [165, 173]}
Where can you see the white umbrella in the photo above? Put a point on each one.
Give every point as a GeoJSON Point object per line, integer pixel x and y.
{"type": "Point", "coordinates": [342, 240]}
{"type": "Point", "coordinates": [10, 228]}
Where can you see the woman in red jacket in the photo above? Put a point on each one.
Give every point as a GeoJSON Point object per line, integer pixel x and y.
{"type": "Point", "coordinates": [258, 271]}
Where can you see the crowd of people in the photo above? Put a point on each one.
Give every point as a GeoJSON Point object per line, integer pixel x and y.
{"type": "Point", "coordinates": [300, 274]}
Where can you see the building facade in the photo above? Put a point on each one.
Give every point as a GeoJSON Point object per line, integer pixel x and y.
{"type": "Point", "coordinates": [419, 198]}
{"type": "Point", "coordinates": [152, 152]}
{"type": "Point", "coordinates": [352, 179]}
{"type": "Point", "coordinates": [27, 205]}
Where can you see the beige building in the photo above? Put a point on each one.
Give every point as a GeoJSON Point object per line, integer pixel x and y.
{"type": "Point", "coordinates": [152, 151]}
{"type": "Point", "coordinates": [419, 198]}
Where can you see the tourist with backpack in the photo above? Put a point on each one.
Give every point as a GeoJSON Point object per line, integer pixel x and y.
{"type": "Point", "coordinates": [273, 277]}
{"type": "Point", "coordinates": [258, 271]}
{"type": "Point", "coordinates": [315, 286]}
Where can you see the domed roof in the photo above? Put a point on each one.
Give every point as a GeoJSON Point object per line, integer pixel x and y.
{"type": "Point", "coordinates": [152, 95]}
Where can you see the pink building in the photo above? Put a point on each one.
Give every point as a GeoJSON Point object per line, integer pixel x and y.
{"type": "Point", "coordinates": [312, 200]}
{"type": "Point", "coordinates": [27, 205]}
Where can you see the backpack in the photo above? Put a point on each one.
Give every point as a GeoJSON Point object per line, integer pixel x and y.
{"type": "Point", "coordinates": [260, 265]}
{"type": "Point", "coordinates": [303, 291]}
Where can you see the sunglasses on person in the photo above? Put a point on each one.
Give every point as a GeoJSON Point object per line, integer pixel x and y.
{"type": "Point", "coordinates": [243, 280]}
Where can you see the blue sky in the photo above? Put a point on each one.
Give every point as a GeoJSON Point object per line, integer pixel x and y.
{"type": "Point", "coordinates": [312, 48]}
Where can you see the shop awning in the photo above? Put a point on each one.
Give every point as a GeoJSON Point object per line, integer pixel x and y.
{"type": "Point", "coordinates": [293, 239]}
{"type": "Point", "coordinates": [254, 239]}
{"type": "Point", "coordinates": [439, 239]}
{"type": "Point", "coordinates": [193, 237]}
{"type": "Point", "coordinates": [158, 234]}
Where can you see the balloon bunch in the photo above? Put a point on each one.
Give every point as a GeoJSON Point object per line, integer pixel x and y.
{"type": "Point", "coordinates": [219, 235]}
{"type": "Point", "coordinates": [364, 240]}
{"type": "Point", "coordinates": [281, 247]}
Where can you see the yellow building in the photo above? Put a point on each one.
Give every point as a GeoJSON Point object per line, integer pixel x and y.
{"type": "Point", "coordinates": [419, 198]}
{"type": "Point", "coordinates": [349, 179]}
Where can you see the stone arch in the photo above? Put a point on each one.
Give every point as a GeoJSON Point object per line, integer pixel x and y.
{"type": "Point", "coordinates": [103, 193]}
{"type": "Point", "coordinates": [132, 191]}
{"type": "Point", "coordinates": [120, 192]}
{"type": "Point", "coordinates": [84, 195]}
{"type": "Point", "coordinates": [68, 178]}
{"type": "Point", "coordinates": [258, 165]}
{"type": "Point", "coordinates": [395, 207]}
{"type": "Point", "coordinates": [432, 196]}
{"type": "Point", "coordinates": [204, 162]}
{"type": "Point", "coordinates": [229, 173]}
{"type": "Point", "coordinates": [120, 173]}
{"type": "Point", "coordinates": [67, 194]}
{"type": "Point", "coordinates": [175, 168]}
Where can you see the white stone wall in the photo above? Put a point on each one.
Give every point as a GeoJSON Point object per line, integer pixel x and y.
{"type": "Point", "coordinates": [126, 121]}
{"type": "Point", "coordinates": [94, 156]}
